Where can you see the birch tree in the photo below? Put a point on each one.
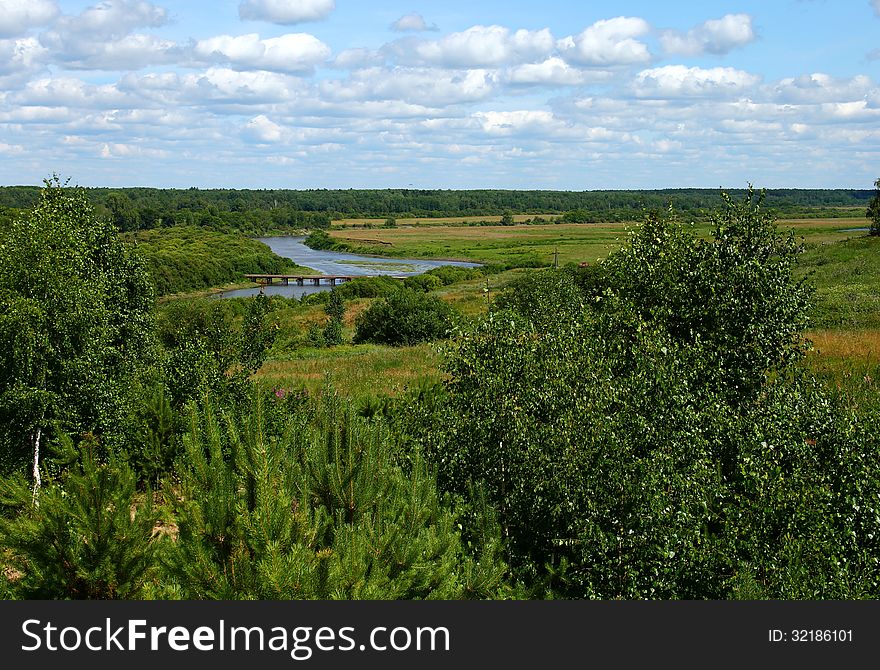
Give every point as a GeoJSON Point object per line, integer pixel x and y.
{"type": "Point", "coordinates": [75, 306]}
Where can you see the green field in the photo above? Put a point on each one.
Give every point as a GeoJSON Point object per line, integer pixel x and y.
{"type": "Point", "coordinates": [538, 244]}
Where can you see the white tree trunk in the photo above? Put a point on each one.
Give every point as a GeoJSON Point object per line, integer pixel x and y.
{"type": "Point", "coordinates": [37, 480]}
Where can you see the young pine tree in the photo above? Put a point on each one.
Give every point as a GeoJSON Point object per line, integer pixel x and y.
{"type": "Point", "coordinates": [314, 513]}
{"type": "Point", "coordinates": [91, 535]}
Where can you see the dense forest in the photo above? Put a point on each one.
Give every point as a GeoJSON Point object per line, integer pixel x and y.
{"type": "Point", "coordinates": [640, 428]}
{"type": "Point", "coordinates": [257, 211]}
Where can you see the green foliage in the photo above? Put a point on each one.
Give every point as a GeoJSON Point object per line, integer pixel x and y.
{"type": "Point", "coordinates": [75, 325]}
{"type": "Point", "coordinates": [368, 287]}
{"type": "Point", "coordinates": [733, 296]}
{"type": "Point", "coordinates": [424, 282]}
{"type": "Point", "coordinates": [213, 346]}
{"type": "Point", "coordinates": [335, 307]}
{"type": "Point", "coordinates": [403, 318]}
{"type": "Point", "coordinates": [635, 450]}
{"type": "Point", "coordinates": [873, 212]}
{"type": "Point", "coordinates": [91, 536]}
{"type": "Point", "coordinates": [320, 239]}
{"type": "Point", "coordinates": [257, 334]}
{"type": "Point", "coordinates": [451, 274]}
{"type": "Point", "coordinates": [154, 444]}
{"type": "Point", "coordinates": [187, 258]}
{"type": "Point", "coordinates": [253, 212]}
{"type": "Point", "coordinates": [287, 512]}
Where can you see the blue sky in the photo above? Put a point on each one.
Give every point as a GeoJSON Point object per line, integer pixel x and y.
{"type": "Point", "coordinates": [452, 94]}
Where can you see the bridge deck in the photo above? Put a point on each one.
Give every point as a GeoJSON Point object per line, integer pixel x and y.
{"type": "Point", "coordinates": [302, 279]}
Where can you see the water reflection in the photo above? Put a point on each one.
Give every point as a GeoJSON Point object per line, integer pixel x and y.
{"type": "Point", "coordinates": [336, 263]}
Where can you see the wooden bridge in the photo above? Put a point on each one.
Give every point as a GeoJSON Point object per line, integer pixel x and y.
{"type": "Point", "coordinates": [301, 280]}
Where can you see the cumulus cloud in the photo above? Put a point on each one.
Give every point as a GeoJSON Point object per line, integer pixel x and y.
{"type": "Point", "coordinates": [609, 42]}
{"type": "Point", "coordinates": [20, 59]}
{"type": "Point", "coordinates": [553, 72]}
{"type": "Point", "coordinates": [100, 37]}
{"type": "Point", "coordinates": [819, 87]}
{"type": "Point", "coordinates": [411, 23]}
{"type": "Point", "coordinates": [876, 5]}
{"type": "Point", "coordinates": [285, 12]}
{"type": "Point", "coordinates": [294, 52]}
{"type": "Point", "coordinates": [485, 46]}
{"type": "Point", "coordinates": [18, 16]}
{"type": "Point", "coordinates": [263, 131]}
{"type": "Point", "coordinates": [678, 81]}
{"type": "Point", "coordinates": [11, 148]}
{"type": "Point", "coordinates": [423, 86]}
{"type": "Point", "coordinates": [71, 92]}
{"type": "Point", "coordinates": [716, 36]}
{"type": "Point", "coordinates": [110, 19]}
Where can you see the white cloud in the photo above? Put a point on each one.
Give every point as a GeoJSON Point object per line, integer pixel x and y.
{"type": "Point", "coordinates": [243, 88]}
{"type": "Point", "coordinates": [72, 92]}
{"type": "Point", "coordinates": [678, 81]}
{"type": "Point", "coordinates": [608, 42]}
{"type": "Point", "coordinates": [716, 36]}
{"type": "Point", "coordinates": [263, 131]}
{"type": "Point", "coordinates": [876, 5]}
{"type": "Point", "coordinates": [121, 150]}
{"type": "Point", "coordinates": [553, 72]}
{"type": "Point", "coordinates": [411, 23]}
{"type": "Point", "coordinates": [294, 52]}
{"type": "Point", "coordinates": [20, 59]}
{"type": "Point", "coordinates": [421, 86]}
{"type": "Point", "coordinates": [18, 16]}
{"type": "Point", "coordinates": [518, 121]}
{"type": "Point", "coordinates": [285, 12]}
{"type": "Point", "coordinates": [12, 149]}
{"type": "Point", "coordinates": [357, 58]}
{"type": "Point", "coordinates": [99, 37]}
{"type": "Point", "coordinates": [486, 46]}
{"type": "Point", "coordinates": [819, 87]}
{"type": "Point", "coordinates": [110, 19]}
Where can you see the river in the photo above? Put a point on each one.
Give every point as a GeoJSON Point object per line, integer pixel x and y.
{"type": "Point", "coordinates": [336, 263]}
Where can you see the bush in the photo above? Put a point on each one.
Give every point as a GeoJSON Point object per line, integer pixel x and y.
{"type": "Point", "coordinates": [403, 318]}
{"type": "Point", "coordinates": [450, 274]}
{"type": "Point", "coordinates": [425, 283]}
{"type": "Point", "coordinates": [369, 287]}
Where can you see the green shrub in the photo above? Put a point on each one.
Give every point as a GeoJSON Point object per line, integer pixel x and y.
{"type": "Point", "coordinates": [424, 282]}
{"type": "Point", "coordinates": [450, 274]}
{"type": "Point", "coordinates": [369, 287]}
{"type": "Point", "coordinates": [403, 318]}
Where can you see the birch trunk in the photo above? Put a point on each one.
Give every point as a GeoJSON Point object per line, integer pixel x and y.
{"type": "Point", "coordinates": [37, 480]}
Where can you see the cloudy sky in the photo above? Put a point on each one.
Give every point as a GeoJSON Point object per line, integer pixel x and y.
{"type": "Point", "coordinates": [452, 94]}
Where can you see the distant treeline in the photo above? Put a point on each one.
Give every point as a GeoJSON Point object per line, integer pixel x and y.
{"type": "Point", "coordinates": [257, 211]}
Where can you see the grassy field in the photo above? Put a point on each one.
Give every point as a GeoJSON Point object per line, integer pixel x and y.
{"type": "Point", "coordinates": [538, 244]}
{"type": "Point", "coordinates": [356, 371]}
{"type": "Point", "coordinates": [438, 221]}
{"type": "Point", "coordinates": [843, 264]}
{"type": "Point", "coordinates": [527, 244]}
